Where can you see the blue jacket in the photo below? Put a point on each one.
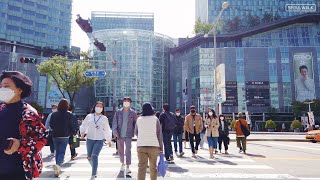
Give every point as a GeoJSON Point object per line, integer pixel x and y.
{"type": "Point", "coordinates": [118, 120]}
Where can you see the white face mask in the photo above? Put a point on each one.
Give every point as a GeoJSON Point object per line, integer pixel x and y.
{"type": "Point", "coordinates": [221, 118]}
{"type": "Point", "coordinates": [54, 110]}
{"type": "Point", "coordinates": [126, 104]}
{"type": "Point", "coordinates": [98, 110]}
{"type": "Point", "coordinates": [177, 114]}
{"type": "Point", "coordinates": [6, 94]}
{"type": "Point", "coordinates": [210, 113]}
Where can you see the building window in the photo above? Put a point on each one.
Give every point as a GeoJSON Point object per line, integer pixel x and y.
{"type": "Point", "coordinates": [25, 21]}
{"type": "Point", "coordinates": [27, 31]}
{"type": "Point", "coordinates": [29, 3]}
{"type": "Point", "coordinates": [14, 8]}
{"type": "Point", "coordinates": [13, 28]}
{"type": "Point", "coordinates": [14, 18]}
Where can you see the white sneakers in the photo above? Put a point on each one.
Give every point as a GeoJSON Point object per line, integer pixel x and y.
{"type": "Point", "coordinates": [123, 167]}
{"type": "Point", "coordinates": [57, 170]}
{"type": "Point", "coordinates": [128, 170]}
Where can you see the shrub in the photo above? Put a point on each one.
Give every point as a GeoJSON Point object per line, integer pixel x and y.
{"type": "Point", "coordinates": [270, 124]}
{"type": "Point", "coordinates": [296, 124]}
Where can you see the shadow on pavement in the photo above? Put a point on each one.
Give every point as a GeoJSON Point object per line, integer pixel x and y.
{"type": "Point", "coordinates": [122, 175]}
{"type": "Point", "coordinates": [177, 169]}
{"type": "Point", "coordinates": [255, 155]}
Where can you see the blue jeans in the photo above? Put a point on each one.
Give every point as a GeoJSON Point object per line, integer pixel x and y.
{"type": "Point", "coordinates": [212, 142]}
{"type": "Point", "coordinates": [177, 138]}
{"type": "Point", "coordinates": [202, 140]}
{"type": "Point", "coordinates": [167, 136]}
{"type": "Point", "coordinates": [93, 150]}
{"type": "Point", "coordinates": [60, 145]}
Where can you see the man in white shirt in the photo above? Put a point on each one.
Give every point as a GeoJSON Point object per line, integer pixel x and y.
{"type": "Point", "coordinates": [304, 86]}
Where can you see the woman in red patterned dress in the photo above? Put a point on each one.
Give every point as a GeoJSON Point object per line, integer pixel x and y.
{"type": "Point", "coordinates": [22, 135]}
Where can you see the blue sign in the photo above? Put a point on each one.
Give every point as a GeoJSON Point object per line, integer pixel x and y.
{"type": "Point", "coordinates": [95, 73]}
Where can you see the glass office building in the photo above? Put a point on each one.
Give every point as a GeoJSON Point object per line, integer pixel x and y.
{"type": "Point", "coordinates": [122, 20]}
{"type": "Point", "coordinates": [260, 65]}
{"type": "Point", "coordinates": [136, 62]}
{"type": "Point", "coordinates": [208, 10]}
{"type": "Point", "coordinates": [45, 23]}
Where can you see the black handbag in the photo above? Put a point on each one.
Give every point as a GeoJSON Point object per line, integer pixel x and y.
{"type": "Point", "coordinates": [244, 129]}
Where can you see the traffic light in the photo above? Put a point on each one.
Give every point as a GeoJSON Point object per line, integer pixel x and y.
{"type": "Point", "coordinates": [28, 60]}
{"type": "Point", "coordinates": [100, 45]}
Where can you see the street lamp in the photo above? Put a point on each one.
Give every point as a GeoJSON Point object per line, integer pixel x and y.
{"type": "Point", "coordinates": [310, 102]}
{"type": "Point", "coordinates": [245, 107]}
{"type": "Point", "coordinates": [185, 107]}
{"type": "Point", "coordinates": [214, 31]}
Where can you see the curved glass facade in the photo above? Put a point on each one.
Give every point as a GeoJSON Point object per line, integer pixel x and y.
{"type": "Point", "coordinates": [136, 61]}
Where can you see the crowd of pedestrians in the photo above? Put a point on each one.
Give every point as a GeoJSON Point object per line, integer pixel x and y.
{"type": "Point", "coordinates": [24, 135]}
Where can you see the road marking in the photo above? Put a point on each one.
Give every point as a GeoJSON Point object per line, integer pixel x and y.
{"type": "Point", "coordinates": [309, 178]}
{"type": "Point", "coordinates": [111, 160]}
{"type": "Point", "coordinates": [232, 175]}
{"type": "Point", "coordinates": [287, 158]}
{"type": "Point", "coordinates": [315, 149]}
{"type": "Point", "coordinates": [133, 169]}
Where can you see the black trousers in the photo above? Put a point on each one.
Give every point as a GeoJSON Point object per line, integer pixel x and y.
{"type": "Point", "coordinates": [72, 150]}
{"type": "Point", "coordinates": [191, 139]}
{"type": "Point", "coordinates": [19, 175]}
{"type": "Point", "coordinates": [225, 139]}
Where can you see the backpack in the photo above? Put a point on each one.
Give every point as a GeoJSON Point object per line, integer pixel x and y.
{"type": "Point", "coordinates": [244, 129]}
{"type": "Point", "coordinates": [170, 121]}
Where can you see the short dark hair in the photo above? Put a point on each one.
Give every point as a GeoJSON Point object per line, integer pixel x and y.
{"type": "Point", "coordinates": [94, 110]}
{"type": "Point", "coordinates": [63, 104]}
{"type": "Point", "coordinates": [177, 109]}
{"type": "Point", "coordinates": [166, 107]}
{"type": "Point", "coordinates": [126, 98]}
{"type": "Point", "coordinates": [21, 81]}
{"type": "Point", "coordinates": [192, 107]}
{"type": "Point", "coordinates": [158, 114]}
{"type": "Point", "coordinates": [54, 105]}
{"type": "Point", "coordinates": [303, 67]}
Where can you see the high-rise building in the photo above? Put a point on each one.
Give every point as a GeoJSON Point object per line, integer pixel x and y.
{"type": "Point", "coordinates": [45, 23]}
{"type": "Point", "coordinates": [208, 10]}
{"type": "Point", "coordinates": [256, 70]}
{"type": "Point", "coordinates": [122, 20]}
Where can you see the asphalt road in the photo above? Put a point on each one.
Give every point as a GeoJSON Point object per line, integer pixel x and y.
{"type": "Point", "coordinates": [264, 160]}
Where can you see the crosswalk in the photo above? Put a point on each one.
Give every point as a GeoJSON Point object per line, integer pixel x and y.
{"type": "Point", "coordinates": [232, 166]}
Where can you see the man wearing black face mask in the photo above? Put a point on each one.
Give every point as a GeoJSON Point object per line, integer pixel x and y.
{"type": "Point", "coordinates": [193, 125]}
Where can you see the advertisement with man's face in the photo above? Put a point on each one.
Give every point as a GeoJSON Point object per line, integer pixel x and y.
{"type": "Point", "coordinates": [303, 75]}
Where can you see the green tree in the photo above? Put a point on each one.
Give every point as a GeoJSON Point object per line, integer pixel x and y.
{"type": "Point", "coordinates": [298, 107]}
{"type": "Point", "coordinates": [201, 27]}
{"type": "Point", "coordinates": [252, 20]}
{"type": "Point", "coordinates": [67, 76]}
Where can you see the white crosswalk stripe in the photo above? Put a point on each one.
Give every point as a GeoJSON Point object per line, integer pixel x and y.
{"type": "Point", "coordinates": [232, 166]}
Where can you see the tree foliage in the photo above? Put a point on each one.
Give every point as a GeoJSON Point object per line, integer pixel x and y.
{"type": "Point", "coordinates": [201, 27]}
{"type": "Point", "coordinates": [267, 17]}
{"type": "Point", "coordinates": [299, 107]}
{"type": "Point", "coordinates": [67, 76]}
{"type": "Point", "coordinates": [36, 106]}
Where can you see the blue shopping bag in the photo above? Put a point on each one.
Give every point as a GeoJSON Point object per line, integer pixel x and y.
{"type": "Point", "coordinates": [162, 166]}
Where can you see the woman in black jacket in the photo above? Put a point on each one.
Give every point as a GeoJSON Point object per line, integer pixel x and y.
{"type": "Point", "coordinates": [223, 133]}
{"type": "Point", "coordinates": [62, 127]}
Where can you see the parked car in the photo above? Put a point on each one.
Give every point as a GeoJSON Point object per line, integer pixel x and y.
{"type": "Point", "coordinates": [313, 136]}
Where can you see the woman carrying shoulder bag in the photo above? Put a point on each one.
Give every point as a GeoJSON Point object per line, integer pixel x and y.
{"type": "Point", "coordinates": [97, 130]}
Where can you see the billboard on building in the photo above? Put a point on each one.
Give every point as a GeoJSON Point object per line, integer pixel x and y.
{"type": "Point", "coordinates": [53, 94]}
{"type": "Point", "coordinates": [221, 82]}
{"type": "Point", "coordinates": [303, 75]}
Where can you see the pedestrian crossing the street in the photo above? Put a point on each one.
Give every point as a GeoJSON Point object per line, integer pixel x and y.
{"type": "Point", "coordinates": [231, 166]}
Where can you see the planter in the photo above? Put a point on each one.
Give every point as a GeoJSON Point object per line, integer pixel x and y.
{"type": "Point", "coordinates": [270, 130]}
{"type": "Point", "coordinates": [296, 130]}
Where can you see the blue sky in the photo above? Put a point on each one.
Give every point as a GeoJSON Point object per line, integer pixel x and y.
{"type": "Point", "coordinates": [174, 18]}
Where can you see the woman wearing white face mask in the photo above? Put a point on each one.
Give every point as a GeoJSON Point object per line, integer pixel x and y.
{"type": "Point", "coordinates": [96, 129]}
{"type": "Point", "coordinates": [22, 134]}
{"type": "Point", "coordinates": [212, 125]}
{"type": "Point", "coordinates": [223, 134]}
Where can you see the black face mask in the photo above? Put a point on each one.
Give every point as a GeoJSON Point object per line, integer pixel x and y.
{"type": "Point", "coordinates": [193, 111]}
